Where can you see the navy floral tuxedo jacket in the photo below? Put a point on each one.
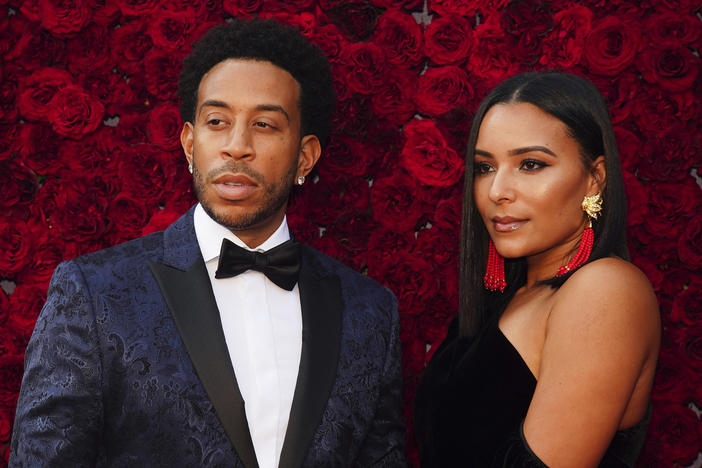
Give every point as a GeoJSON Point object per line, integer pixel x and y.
{"type": "Point", "coordinates": [127, 366]}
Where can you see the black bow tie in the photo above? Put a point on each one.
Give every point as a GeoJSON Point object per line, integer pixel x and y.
{"type": "Point", "coordinates": [280, 264]}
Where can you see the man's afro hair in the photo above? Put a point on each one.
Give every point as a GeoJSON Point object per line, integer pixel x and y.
{"type": "Point", "coordinates": [264, 40]}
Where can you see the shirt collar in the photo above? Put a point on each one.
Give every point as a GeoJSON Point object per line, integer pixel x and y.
{"type": "Point", "coordinates": [210, 233]}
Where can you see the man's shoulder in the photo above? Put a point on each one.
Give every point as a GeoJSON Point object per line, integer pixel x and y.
{"type": "Point", "coordinates": [127, 255]}
{"type": "Point", "coordinates": [350, 278]}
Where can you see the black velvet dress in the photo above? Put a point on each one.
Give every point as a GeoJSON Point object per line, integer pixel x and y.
{"type": "Point", "coordinates": [472, 399]}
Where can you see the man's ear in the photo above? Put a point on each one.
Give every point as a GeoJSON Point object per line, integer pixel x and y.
{"type": "Point", "coordinates": [310, 151]}
{"type": "Point", "coordinates": [598, 176]}
{"type": "Point", "coordinates": [186, 141]}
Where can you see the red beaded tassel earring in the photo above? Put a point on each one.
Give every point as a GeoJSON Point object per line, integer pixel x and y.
{"type": "Point", "coordinates": [494, 278]}
{"type": "Point", "coordinates": [592, 206]}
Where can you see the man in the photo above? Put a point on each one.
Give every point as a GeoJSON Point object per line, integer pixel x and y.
{"type": "Point", "coordinates": [186, 348]}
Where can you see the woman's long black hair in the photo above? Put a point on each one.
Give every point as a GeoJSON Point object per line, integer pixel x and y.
{"type": "Point", "coordinates": [579, 105]}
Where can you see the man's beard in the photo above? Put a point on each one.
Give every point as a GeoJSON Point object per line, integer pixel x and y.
{"type": "Point", "coordinates": [275, 197]}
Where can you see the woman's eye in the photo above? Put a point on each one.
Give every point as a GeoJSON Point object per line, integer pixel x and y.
{"type": "Point", "coordinates": [482, 168]}
{"type": "Point", "coordinates": [532, 165]}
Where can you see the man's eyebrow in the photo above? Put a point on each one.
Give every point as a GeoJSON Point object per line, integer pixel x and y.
{"type": "Point", "coordinates": [214, 103]}
{"type": "Point", "coordinates": [260, 107]}
{"type": "Point", "coordinates": [273, 108]}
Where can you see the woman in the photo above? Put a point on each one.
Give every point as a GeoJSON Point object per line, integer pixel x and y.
{"type": "Point", "coordinates": [552, 357]}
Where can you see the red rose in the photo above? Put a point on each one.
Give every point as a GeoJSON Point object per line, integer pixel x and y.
{"type": "Point", "coordinates": [80, 213]}
{"type": "Point", "coordinates": [143, 173]}
{"type": "Point", "coordinates": [18, 184]}
{"type": "Point", "coordinates": [672, 67]}
{"type": "Point", "coordinates": [62, 18]}
{"type": "Point", "coordinates": [689, 339]}
{"type": "Point", "coordinates": [26, 302]}
{"type": "Point", "coordinates": [88, 52]}
{"type": "Point", "coordinates": [355, 18]}
{"type": "Point", "coordinates": [447, 214]}
{"type": "Point", "coordinates": [404, 4]}
{"type": "Point", "coordinates": [427, 156]}
{"type": "Point", "coordinates": [686, 305]}
{"type": "Point", "coordinates": [384, 246]}
{"type": "Point", "coordinates": [690, 244]}
{"type": "Point", "coordinates": [340, 195]}
{"type": "Point", "coordinates": [352, 230]}
{"type": "Point", "coordinates": [629, 147]}
{"type": "Point", "coordinates": [96, 155]}
{"type": "Point", "coordinates": [163, 126]}
{"type": "Point", "coordinates": [397, 202]}
{"type": "Point", "coordinates": [467, 8]}
{"type": "Point", "coordinates": [8, 93]}
{"type": "Point", "coordinates": [36, 48]}
{"type": "Point", "coordinates": [132, 128]}
{"type": "Point", "coordinates": [366, 67]}
{"type": "Point", "coordinates": [74, 113]}
{"type": "Point", "coordinates": [611, 46]}
{"type": "Point", "coordinates": [128, 217]}
{"type": "Point", "coordinates": [18, 239]}
{"type": "Point", "coordinates": [657, 111]}
{"type": "Point", "coordinates": [440, 246]}
{"type": "Point", "coordinates": [526, 23]}
{"type": "Point", "coordinates": [127, 96]}
{"type": "Point", "coordinates": [45, 258]}
{"type": "Point", "coordinates": [621, 93]}
{"type": "Point", "coordinates": [674, 379]}
{"type": "Point", "coordinates": [400, 35]}
{"type": "Point", "coordinates": [105, 12]}
{"type": "Point", "coordinates": [100, 84]}
{"type": "Point", "coordinates": [443, 89]}
{"type": "Point", "coordinates": [672, 27]}
{"type": "Point", "coordinates": [413, 280]}
{"type": "Point", "coordinates": [564, 45]}
{"type": "Point", "coordinates": [170, 30]}
{"type": "Point", "coordinates": [36, 145]}
{"type": "Point", "coordinates": [637, 200]}
{"type": "Point", "coordinates": [161, 219]}
{"type": "Point", "coordinates": [667, 158]}
{"type": "Point", "coordinates": [129, 45]}
{"type": "Point", "coordinates": [329, 38]}
{"type": "Point", "coordinates": [142, 8]}
{"type": "Point", "coordinates": [162, 68]}
{"type": "Point", "coordinates": [670, 206]}
{"type": "Point", "coordinates": [491, 56]}
{"type": "Point", "coordinates": [448, 40]}
{"type": "Point", "coordinates": [37, 90]}
{"type": "Point", "coordinates": [394, 101]}
{"type": "Point", "coordinates": [345, 156]}
{"type": "Point", "coordinates": [238, 8]}
{"type": "Point", "coordinates": [673, 436]}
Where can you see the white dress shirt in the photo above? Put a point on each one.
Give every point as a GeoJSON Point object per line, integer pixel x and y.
{"type": "Point", "coordinates": [263, 329]}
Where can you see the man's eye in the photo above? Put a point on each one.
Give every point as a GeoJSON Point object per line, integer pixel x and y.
{"type": "Point", "coordinates": [214, 122]}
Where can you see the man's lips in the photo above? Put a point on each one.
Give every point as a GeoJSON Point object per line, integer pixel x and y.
{"type": "Point", "coordinates": [507, 223]}
{"type": "Point", "coordinates": [234, 187]}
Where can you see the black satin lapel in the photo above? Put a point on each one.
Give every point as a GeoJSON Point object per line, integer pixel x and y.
{"type": "Point", "coordinates": [189, 297]}
{"type": "Point", "coordinates": [322, 307]}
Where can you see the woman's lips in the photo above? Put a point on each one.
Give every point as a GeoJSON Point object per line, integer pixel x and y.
{"type": "Point", "coordinates": [507, 224]}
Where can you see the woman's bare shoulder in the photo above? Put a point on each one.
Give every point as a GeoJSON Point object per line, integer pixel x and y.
{"type": "Point", "coordinates": [609, 286]}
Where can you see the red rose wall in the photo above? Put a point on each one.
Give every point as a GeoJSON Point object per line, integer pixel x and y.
{"type": "Point", "coordinates": [90, 154]}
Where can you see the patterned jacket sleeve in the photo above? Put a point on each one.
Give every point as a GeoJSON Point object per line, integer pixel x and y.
{"type": "Point", "coordinates": [59, 411]}
{"type": "Point", "coordinates": [384, 445]}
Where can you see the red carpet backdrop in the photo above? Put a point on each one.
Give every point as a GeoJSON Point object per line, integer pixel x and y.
{"type": "Point", "coordinates": [90, 155]}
